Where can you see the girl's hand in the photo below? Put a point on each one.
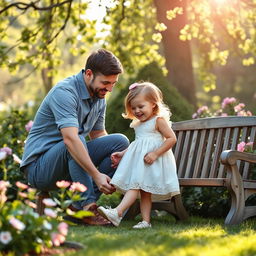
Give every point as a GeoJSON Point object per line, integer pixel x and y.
{"type": "Point", "coordinates": [116, 158]}
{"type": "Point", "coordinates": [150, 157]}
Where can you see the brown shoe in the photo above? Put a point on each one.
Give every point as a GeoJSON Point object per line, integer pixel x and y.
{"type": "Point", "coordinates": [96, 220]}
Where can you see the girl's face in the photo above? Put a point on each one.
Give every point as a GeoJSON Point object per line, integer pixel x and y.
{"type": "Point", "coordinates": [141, 108]}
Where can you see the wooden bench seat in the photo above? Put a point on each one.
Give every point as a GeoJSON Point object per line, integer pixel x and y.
{"type": "Point", "coordinates": [206, 156]}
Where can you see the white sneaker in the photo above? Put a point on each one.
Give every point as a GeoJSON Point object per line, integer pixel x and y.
{"type": "Point", "coordinates": [142, 224]}
{"type": "Point", "coordinates": [110, 214]}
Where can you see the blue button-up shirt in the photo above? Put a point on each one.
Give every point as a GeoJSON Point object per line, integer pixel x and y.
{"type": "Point", "coordinates": [68, 104]}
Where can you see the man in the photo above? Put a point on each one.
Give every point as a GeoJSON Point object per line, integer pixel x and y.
{"type": "Point", "coordinates": [56, 148]}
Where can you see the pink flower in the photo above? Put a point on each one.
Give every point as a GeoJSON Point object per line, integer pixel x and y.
{"type": "Point", "coordinates": [63, 228]}
{"type": "Point", "coordinates": [5, 237]}
{"type": "Point", "coordinates": [49, 202]}
{"type": "Point", "coordinates": [17, 224]}
{"type": "Point", "coordinates": [29, 125]}
{"type": "Point", "coordinates": [4, 185]}
{"type": "Point", "coordinates": [194, 115]}
{"type": "Point", "coordinates": [239, 107]}
{"type": "Point", "coordinates": [22, 194]}
{"type": "Point", "coordinates": [62, 184]}
{"type": "Point", "coordinates": [57, 239]}
{"type": "Point", "coordinates": [7, 150]}
{"type": "Point", "coordinates": [77, 186]}
{"type": "Point", "coordinates": [241, 146]}
{"type": "Point", "coordinates": [224, 114]}
{"type": "Point", "coordinates": [16, 159]}
{"type": "Point", "coordinates": [227, 101]}
{"type": "Point", "coordinates": [49, 212]}
{"type": "Point", "coordinates": [30, 204]}
{"type": "Point", "coordinates": [21, 185]}
{"type": "Point", "coordinates": [202, 109]}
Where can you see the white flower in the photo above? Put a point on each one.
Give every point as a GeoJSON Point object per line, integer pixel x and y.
{"type": "Point", "coordinates": [16, 159]}
{"type": "Point", "coordinates": [17, 224]}
{"type": "Point", "coordinates": [47, 225]}
{"type": "Point", "coordinates": [49, 202]}
{"type": "Point", "coordinates": [3, 155]}
{"type": "Point", "coordinates": [5, 237]}
{"type": "Point", "coordinates": [49, 212]}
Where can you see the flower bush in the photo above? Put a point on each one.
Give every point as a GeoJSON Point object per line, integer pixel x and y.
{"type": "Point", "coordinates": [229, 107]}
{"type": "Point", "coordinates": [246, 147]}
{"type": "Point", "coordinates": [22, 230]}
{"type": "Point", "coordinates": [15, 126]}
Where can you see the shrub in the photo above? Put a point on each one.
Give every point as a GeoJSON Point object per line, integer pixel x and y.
{"type": "Point", "coordinates": [23, 231]}
{"type": "Point", "coordinates": [229, 107]}
{"type": "Point", "coordinates": [14, 127]}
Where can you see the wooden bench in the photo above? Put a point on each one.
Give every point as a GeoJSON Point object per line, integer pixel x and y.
{"type": "Point", "coordinates": [206, 156]}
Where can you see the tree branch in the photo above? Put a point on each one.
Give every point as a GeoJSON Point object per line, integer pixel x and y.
{"type": "Point", "coordinates": [65, 22]}
{"type": "Point", "coordinates": [25, 6]}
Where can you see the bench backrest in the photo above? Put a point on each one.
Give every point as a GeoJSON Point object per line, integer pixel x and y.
{"type": "Point", "coordinates": [201, 141]}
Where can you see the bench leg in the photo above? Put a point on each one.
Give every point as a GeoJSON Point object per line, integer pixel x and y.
{"type": "Point", "coordinates": [173, 206]}
{"type": "Point", "coordinates": [40, 206]}
{"type": "Point", "coordinates": [237, 209]}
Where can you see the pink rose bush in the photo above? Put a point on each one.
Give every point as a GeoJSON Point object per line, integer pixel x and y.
{"type": "Point", "coordinates": [22, 230]}
{"type": "Point", "coordinates": [229, 107]}
{"type": "Point", "coordinates": [246, 147]}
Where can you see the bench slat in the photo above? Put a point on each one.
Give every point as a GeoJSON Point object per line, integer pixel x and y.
{"type": "Point", "coordinates": [208, 153]}
{"type": "Point", "coordinates": [217, 152]}
{"type": "Point", "coordinates": [244, 136]}
{"type": "Point", "coordinates": [185, 149]}
{"type": "Point", "coordinates": [199, 182]}
{"type": "Point", "coordinates": [200, 155]}
{"type": "Point", "coordinates": [225, 146]}
{"type": "Point", "coordinates": [178, 146]}
{"type": "Point", "coordinates": [192, 153]}
{"type": "Point", "coordinates": [215, 122]}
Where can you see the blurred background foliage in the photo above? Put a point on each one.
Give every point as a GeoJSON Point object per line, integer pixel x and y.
{"type": "Point", "coordinates": [198, 52]}
{"type": "Point", "coordinates": [205, 48]}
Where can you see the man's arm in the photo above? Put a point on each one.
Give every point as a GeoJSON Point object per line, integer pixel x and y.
{"type": "Point", "coordinates": [79, 153]}
{"type": "Point", "coordinates": [97, 133]}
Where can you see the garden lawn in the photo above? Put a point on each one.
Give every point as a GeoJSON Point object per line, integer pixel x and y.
{"type": "Point", "coordinates": [206, 237]}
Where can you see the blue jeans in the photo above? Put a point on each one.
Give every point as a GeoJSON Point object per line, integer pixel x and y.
{"type": "Point", "coordinates": [57, 164]}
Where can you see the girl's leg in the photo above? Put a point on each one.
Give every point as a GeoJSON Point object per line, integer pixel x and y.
{"type": "Point", "coordinates": [145, 205]}
{"type": "Point", "coordinates": [128, 199]}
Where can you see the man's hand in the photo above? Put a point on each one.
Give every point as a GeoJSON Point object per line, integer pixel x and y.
{"type": "Point", "coordinates": [116, 158]}
{"type": "Point", "coordinates": [150, 157]}
{"type": "Point", "coordinates": [102, 181]}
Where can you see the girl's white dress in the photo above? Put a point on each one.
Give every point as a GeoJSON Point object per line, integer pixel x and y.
{"type": "Point", "coordinates": [159, 178]}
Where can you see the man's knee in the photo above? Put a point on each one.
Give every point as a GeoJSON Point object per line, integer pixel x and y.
{"type": "Point", "coordinates": [120, 140]}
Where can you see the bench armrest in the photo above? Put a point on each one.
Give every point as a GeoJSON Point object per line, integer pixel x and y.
{"type": "Point", "coordinates": [229, 157]}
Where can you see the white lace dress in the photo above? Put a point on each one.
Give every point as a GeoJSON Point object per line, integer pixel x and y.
{"type": "Point", "coordinates": [160, 178]}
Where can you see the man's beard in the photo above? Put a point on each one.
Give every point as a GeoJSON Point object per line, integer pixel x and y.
{"type": "Point", "coordinates": [97, 92]}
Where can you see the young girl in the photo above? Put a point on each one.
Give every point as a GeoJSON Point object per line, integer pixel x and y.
{"type": "Point", "coordinates": [147, 168]}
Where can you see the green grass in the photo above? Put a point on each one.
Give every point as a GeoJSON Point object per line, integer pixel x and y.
{"type": "Point", "coordinates": [200, 237]}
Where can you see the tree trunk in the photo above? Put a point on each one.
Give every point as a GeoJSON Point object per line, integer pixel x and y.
{"type": "Point", "coordinates": [47, 80]}
{"type": "Point", "coordinates": [177, 52]}
{"type": "Point", "coordinates": [46, 72]}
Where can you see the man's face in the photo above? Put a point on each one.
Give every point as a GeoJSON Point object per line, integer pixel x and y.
{"type": "Point", "coordinates": [99, 85]}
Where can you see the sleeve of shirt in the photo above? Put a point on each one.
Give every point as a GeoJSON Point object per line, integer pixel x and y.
{"type": "Point", "coordinates": [100, 123]}
{"type": "Point", "coordinates": [63, 104]}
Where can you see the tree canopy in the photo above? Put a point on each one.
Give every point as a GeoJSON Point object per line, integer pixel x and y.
{"type": "Point", "coordinates": [36, 33]}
